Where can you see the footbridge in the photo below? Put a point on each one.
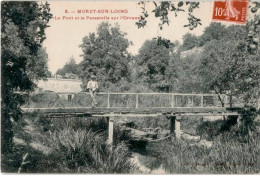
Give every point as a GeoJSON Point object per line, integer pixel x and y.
{"type": "Point", "coordinates": [115, 105]}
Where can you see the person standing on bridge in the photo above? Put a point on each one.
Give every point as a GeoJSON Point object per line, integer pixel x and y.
{"type": "Point", "coordinates": [92, 86]}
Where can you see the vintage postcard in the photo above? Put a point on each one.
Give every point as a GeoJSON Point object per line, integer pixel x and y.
{"type": "Point", "coordinates": [130, 87]}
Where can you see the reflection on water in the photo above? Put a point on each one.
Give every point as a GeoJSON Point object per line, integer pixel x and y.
{"type": "Point", "coordinates": [148, 164]}
{"type": "Point", "coordinates": [146, 158]}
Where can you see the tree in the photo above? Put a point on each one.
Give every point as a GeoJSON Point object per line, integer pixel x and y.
{"type": "Point", "coordinates": [37, 65]}
{"type": "Point", "coordinates": [152, 62]}
{"type": "Point", "coordinates": [189, 41]}
{"type": "Point", "coordinates": [215, 31]}
{"type": "Point", "coordinates": [49, 74]}
{"type": "Point", "coordinates": [227, 67]}
{"type": "Point", "coordinates": [23, 25]}
{"type": "Point", "coordinates": [186, 77]}
{"type": "Point", "coordinates": [253, 31]}
{"type": "Point", "coordinates": [69, 67]}
{"type": "Point", "coordinates": [224, 65]}
{"type": "Point", "coordinates": [105, 54]}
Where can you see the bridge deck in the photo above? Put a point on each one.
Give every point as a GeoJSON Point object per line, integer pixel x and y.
{"type": "Point", "coordinates": [133, 111]}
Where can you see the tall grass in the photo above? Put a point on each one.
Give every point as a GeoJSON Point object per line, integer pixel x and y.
{"type": "Point", "coordinates": [228, 155]}
{"type": "Point", "coordinates": [75, 145]}
{"type": "Point", "coordinates": [179, 156]}
{"type": "Point", "coordinates": [84, 151]}
{"type": "Point", "coordinates": [97, 125]}
{"type": "Point", "coordinates": [232, 155]}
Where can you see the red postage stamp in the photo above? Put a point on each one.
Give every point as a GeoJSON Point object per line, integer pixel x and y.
{"type": "Point", "coordinates": [230, 11]}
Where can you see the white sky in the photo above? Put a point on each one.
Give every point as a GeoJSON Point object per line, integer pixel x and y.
{"type": "Point", "coordinates": [65, 36]}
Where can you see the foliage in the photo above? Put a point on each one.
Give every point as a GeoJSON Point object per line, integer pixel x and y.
{"type": "Point", "coordinates": [69, 67]}
{"type": "Point", "coordinates": [249, 122]}
{"type": "Point", "coordinates": [215, 31]}
{"type": "Point", "coordinates": [253, 29]}
{"type": "Point", "coordinates": [23, 26]}
{"type": "Point", "coordinates": [164, 42]}
{"type": "Point", "coordinates": [71, 145]}
{"type": "Point", "coordinates": [49, 74]}
{"type": "Point", "coordinates": [38, 65]}
{"type": "Point", "coordinates": [256, 7]}
{"type": "Point", "coordinates": [86, 152]}
{"type": "Point", "coordinates": [189, 41]}
{"type": "Point", "coordinates": [224, 65]}
{"type": "Point", "coordinates": [80, 150]}
{"type": "Point", "coordinates": [162, 10]}
{"type": "Point", "coordinates": [227, 68]}
{"type": "Point", "coordinates": [179, 156]}
{"type": "Point", "coordinates": [184, 74]}
{"type": "Point", "coordinates": [151, 64]}
{"type": "Point", "coordinates": [222, 48]}
{"type": "Point", "coordinates": [227, 155]}
{"type": "Point", "coordinates": [11, 161]}
{"type": "Point", "coordinates": [210, 130]}
{"type": "Point", "coordinates": [105, 54]}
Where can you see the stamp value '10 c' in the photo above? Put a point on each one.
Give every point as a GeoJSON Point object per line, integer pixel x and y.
{"type": "Point", "coordinates": [231, 11]}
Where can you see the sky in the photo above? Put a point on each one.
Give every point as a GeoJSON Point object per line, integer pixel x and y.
{"type": "Point", "coordinates": [65, 34]}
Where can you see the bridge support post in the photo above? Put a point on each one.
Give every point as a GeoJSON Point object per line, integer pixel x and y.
{"type": "Point", "coordinates": [172, 124]}
{"type": "Point", "coordinates": [175, 126]}
{"type": "Point", "coordinates": [178, 127]}
{"type": "Point", "coordinates": [110, 121]}
{"type": "Point", "coordinates": [239, 121]}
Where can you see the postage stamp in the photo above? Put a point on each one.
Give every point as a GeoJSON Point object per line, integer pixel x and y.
{"type": "Point", "coordinates": [231, 11]}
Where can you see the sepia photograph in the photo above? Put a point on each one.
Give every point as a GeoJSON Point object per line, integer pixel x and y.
{"type": "Point", "coordinates": [130, 87]}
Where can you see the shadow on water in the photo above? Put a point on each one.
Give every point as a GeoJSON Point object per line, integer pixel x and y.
{"type": "Point", "coordinates": [146, 156]}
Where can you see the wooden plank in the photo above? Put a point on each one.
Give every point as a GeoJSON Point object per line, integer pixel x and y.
{"type": "Point", "coordinates": [110, 129]}
{"type": "Point", "coordinates": [177, 129]}
{"type": "Point", "coordinates": [127, 115]}
{"type": "Point", "coordinates": [136, 102]}
{"type": "Point", "coordinates": [145, 115]}
{"type": "Point", "coordinates": [239, 121]}
{"type": "Point", "coordinates": [130, 110]}
{"type": "Point", "coordinates": [127, 109]}
{"type": "Point", "coordinates": [172, 124]}
{"type": "Point", "coordinates": [104, 93]}
{"type": "Point", "coordinates": [108, 100]}
{"type": "Point", "coordinates": [172, 101]}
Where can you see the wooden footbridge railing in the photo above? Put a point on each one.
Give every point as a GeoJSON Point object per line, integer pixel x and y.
{"type": "Point", "coordinates": [111, 105]}
{"type": "Point", "coordinates": [131, 104]}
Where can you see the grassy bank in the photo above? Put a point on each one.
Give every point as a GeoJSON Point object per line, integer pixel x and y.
{"type": "Point", "coordinates": [74, 145]}
{"type": "Point", "coordinates": [78, 145]}
{"type": "Point", "coordinates": [230, 154]}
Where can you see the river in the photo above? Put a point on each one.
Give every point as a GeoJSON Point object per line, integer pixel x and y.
{"type": "Point", "coordinates": [146, 158]}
